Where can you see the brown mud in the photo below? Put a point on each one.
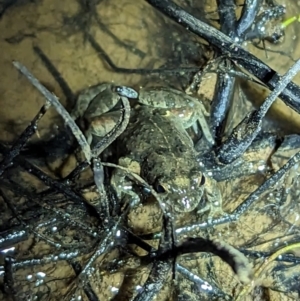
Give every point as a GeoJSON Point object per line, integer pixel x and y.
{"type": "Point", "coordinates": [134, 35]}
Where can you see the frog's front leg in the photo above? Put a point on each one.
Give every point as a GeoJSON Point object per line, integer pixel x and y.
{"type": "Point", "coordinates": [191, 112]}
{"type": "Point", "coordinates": [123, 186]}
{"type": "Point", "coordinates": [213, 198]}
{"type": "Point", "coordinates": [189, 109]}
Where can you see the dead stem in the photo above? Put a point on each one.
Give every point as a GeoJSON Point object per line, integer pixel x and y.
{"type": "Point", "coordinates": [59, 108]}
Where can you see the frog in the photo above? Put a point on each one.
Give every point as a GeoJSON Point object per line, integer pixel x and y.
{"type": "Point", "coordinates": [94, 101]}
{"type": "Point", "coordinates": [92, 110]}
{"type": "Point", "coordinates": [154, 145]}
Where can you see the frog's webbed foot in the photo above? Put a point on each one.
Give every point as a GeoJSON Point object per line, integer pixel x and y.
{"type": "Point", "coordinates": [213, 198]}
{"type": "Point", "coordinates": [123, 186]}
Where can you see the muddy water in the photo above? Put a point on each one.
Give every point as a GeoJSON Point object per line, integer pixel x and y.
{"type": "Point", "coordinates": [134, 36]}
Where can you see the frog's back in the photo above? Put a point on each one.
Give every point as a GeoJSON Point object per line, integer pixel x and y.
{"type": "Point", "coordinates": [156, 145]}
{"type": "Point", "coordinates": [153, 131]}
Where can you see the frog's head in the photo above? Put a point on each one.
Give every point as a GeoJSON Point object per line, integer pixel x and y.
{"type": "Point", "coordinates": [183, 192]}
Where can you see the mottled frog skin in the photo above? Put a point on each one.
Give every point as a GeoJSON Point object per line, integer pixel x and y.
{"type": "Point", "coordinates": [165, 155]}
{"type": "Point", "coordinates": [154, 145]}
{"type": "Point", "coordinates": [93, 102]}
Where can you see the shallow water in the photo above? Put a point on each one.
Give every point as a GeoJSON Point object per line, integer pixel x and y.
{"type": "Point", "coordinates": [134, 36]}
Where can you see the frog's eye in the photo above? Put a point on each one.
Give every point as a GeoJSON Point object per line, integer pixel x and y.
{"type": "Point", "coordinates": [202, 180]}
{"type": "Point", "coordinates": [158, 187]}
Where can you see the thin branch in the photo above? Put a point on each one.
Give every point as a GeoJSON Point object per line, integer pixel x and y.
{"type": "Point", "coordinates": [60, 109]}
{"type": "Point", "coordinates": [226, 45]}
{"type": "Point", "coordinates": [21, 141]}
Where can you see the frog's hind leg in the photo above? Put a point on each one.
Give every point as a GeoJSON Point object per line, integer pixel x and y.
{"type": "Point", "coordinates": [84, 99]}
{"type": "Point", "coordinates": [101, 125]}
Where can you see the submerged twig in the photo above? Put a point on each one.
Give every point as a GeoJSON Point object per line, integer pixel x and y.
{"type": "Point", "coordinates": [118, 129]}
{"type": "Point", "coordinates": [226, 45]}
{"type": "Point", "coordinates": [202, 285]}
{"type": "Point", "coordinates": [47, 180]}
{"type": "Point", "coordinates": [60, 109]}
{"type": "Point", "coordinates": [246, 131]}
{"type": "Point", "coordinates": [21, 141]}
{"type": "Point", "coordinates": [103, 246]}
{"type": "Point", "coordinates": [100, 147]}
{"type": "Point", "coordinates": [261, 269]}
{"type": "Point", "coordinates": [55, 73]}
{"type": "Point", "coordinates": [233, 257]}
